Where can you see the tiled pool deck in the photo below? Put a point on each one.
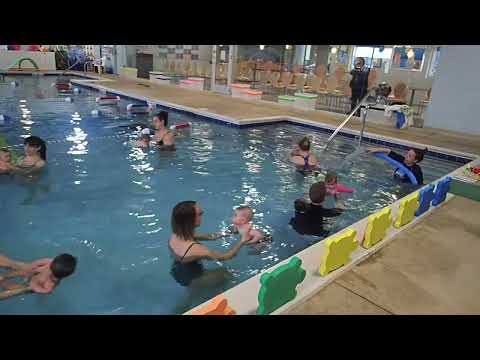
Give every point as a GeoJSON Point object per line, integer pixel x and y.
{"type": "Point", "coordinates": [431, 268]}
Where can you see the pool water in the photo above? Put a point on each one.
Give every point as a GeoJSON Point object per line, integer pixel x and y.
{"type": "Point", "coordinates": [109, 204]}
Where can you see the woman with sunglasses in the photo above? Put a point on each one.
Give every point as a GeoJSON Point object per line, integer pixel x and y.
{"type": "Point", "coordinates": [185, 248]}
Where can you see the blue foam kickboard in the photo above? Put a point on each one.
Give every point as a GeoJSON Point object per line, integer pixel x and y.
{"type": "Point", "coordinates": [443, 187]}
{"type": "Point", "coordinates": [426, 197]}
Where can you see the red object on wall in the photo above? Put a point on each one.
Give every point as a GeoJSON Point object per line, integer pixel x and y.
{"type": "Point", "coordinates": [33, 47]}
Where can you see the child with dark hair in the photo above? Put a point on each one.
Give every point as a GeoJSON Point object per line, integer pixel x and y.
{"type": "Point", "coordinates": [301, 156]}
{"type": "Point", "coordinates": [410, 161]}
{"type": "Point", "coordinates": [309, 215]}
{"type": "Point", "coordinates": [164, 137]}
{"type": "Point", "coordinates": [41, 276]}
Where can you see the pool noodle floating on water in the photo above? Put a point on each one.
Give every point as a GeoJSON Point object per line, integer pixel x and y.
{"type": "Point", "coordinates": [107, 100]}
{"type": "Point", "coordinates": [400, 166]}
{"type": "Point", "coordinates": [344, 189]}
{"type": "Point", "coordinates": [138, 108]}
{"type": "Point", "coordinates": [181, 126]}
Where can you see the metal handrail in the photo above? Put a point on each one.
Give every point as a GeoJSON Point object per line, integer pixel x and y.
{"type": "Point", "coordinates": [64, 71]}
{"type": "Point", "coordinates": [348, 119]}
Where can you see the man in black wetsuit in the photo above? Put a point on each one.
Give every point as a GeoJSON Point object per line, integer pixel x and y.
{"type": "Point", "coordinates": [359, 83]}
{"type": "Point", "coordinates": [410, 161]}
{"type": "Point", "coordinates": [309, 215]}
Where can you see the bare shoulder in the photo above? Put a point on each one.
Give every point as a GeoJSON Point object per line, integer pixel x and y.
{"type": "Point", "coordinates": [199, 250]}
{"type": "Point", "coordinates": [40, 164]}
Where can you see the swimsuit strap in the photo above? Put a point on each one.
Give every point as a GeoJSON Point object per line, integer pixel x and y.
{"type": "Point", "coordinates": [306, 166]}
{"type": "Point", "coordinates": [27, 166]}
{"type": "Point", "coordinates": [188, 249]}
{"type": "Point", "coordinates": [160, 142]}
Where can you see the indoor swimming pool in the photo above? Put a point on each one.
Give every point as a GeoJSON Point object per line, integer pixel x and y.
{"type": "Point", "coordinates": [109, 203]}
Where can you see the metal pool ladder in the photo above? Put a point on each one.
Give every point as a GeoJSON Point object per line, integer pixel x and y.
{"type": "Point", "coordinates": [348, 119]}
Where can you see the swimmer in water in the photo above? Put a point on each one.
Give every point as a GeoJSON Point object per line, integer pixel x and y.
{"type": "Point", "coordinates": [310, 214]}
{"type": "Point", "coordinates": [144, 140]}
{"type": "Point", "coordinates": [164, 137]}
{"type": "Point", "coordinates": [6, 166]}
{"type": "Point", "coordinates": [242, 218]}
{"type": "Point", "coordinates": [301, 156]}
{"type": "Point", "coordinates": [410, 161]}
{"type": "Point", "coordinates": [41, 276]}
{"type": "Point", "coordinates": [35, 157]}
{"type": "Point", "coordinates": [185, 248]}
{"type": "Point", "coordinates": [331, 189]}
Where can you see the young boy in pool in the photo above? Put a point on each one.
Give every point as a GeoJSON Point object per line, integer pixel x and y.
{"type": "Point", "coordinates": [242, 218]}
{"type": "Point", "coordinates": [410, 160]}
{"type": "Point", "coordinates": [6, 165]}
{"type": "Point", "coordinates": [144, 140]}
{"type": "Point", "coordinates": [40, 276]}
{"type": "Point", "coordinates": [309, 215]}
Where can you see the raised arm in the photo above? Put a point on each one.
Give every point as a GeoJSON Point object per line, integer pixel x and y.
{"type": "Point", "coordinates": [9, 293]}
{"type": "Point", "coordinates": [9, 263]}
{"type": "Point", "coordinates": [13, 274]}
{"type": "Point", "coordinates": [215, 235]}
{"type": "Point", "coordinates": [205, 252]}
{"type": "Point", "coordinates": [208, 236]}
{"type": "Point", "coordinates": [379, 149]}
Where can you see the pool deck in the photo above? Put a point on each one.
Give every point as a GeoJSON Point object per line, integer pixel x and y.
{"type": "Point", "coordinates": [430, 268]}
{"type": "Point", "coordinates": [246, 109]}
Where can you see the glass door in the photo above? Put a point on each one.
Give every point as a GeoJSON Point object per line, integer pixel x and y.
{"type": "Point", "coordinates": [220, 68]}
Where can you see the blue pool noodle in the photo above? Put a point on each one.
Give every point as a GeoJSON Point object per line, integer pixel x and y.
{"type": "Point", "coordinates": [400, 166]}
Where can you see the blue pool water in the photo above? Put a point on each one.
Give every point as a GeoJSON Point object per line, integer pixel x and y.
{"type": "Point", "coordinates": [110, 204]}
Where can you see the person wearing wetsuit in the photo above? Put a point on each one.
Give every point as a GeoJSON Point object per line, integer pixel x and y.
{"type": "Point", "coordinates": [187, 251]}
{"type": "Point", "coordinates": [164, 137]}
{"type": "Point", "coordinates": [309, 215]}
{"type": "Point", "coordinates": [358, 83]}
{"type": "Point", "coordinates": [410, 161]}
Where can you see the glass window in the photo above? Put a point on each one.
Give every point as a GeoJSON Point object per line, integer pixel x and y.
{"type": "Point", "coordinates": [408, 58]}
{"type": "Point", "coordinates": [434, 62]}
{"type": "Point", "coordinates": [372, 55]}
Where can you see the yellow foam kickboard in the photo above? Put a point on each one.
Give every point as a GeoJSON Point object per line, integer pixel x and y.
{"type": "Point", "coordinates": [377, 227]}
{"type": "Point", "coordinates": [406, 211]}
{"type": "Point", "coordinates": [337, 251]}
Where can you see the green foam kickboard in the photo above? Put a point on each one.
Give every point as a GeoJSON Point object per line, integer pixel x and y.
{"type": "Point", "coordinates": [306, 96]}
{"type": "Point", "coordinates": [279, 286]}
{"type": "Point", "coordinates": [286, 98]}
{"type": "Point", "coordinates": [460, 188]}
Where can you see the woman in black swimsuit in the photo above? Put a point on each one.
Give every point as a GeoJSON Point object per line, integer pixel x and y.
{"type": "Point", "coordinates": [186, 250]}
{"type": "Point", "coordinates": [164, 137]}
